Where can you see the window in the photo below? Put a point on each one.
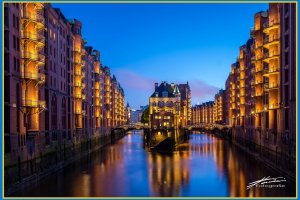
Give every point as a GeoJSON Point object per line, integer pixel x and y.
{"type": "Point", "coordinates": [18, 65]}
{"type": "Point", "coordinates": [14, 42]}
{"type": "Point", "coordinates": [164, 94]}
{"type": "Point", "coordinates": [18, 44]}
{"type": "Point", "coordinates": [17, 22]}
{"type": "Point", "coordinates": [15, 64]}
{"type": "Point", "coordinates": [14, 21]}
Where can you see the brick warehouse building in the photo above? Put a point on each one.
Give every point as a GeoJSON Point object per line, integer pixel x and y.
{"type": "Point", "coordinates": [260, 90]}
{"type": "Point", "coordinates": [56, 90]}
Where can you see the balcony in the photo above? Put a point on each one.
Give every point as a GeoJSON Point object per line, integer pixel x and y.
{"type": "Point", "coordinates": [78, 96]}
{"type": "Point", "coordinates": [271, 55]}
{"type": "Point", "coordinates": [273, 70]}
{"type": "Point", "coordinates": [34, 76]}
{"type": "Point", "coordinates": [39, 6]}
{"type": "Point", "coordinates": [257, 82]}
{"type": "Point", "coordinates": [77, 84]}
{"type": "Point", "coordinates": [83, 51]}
{"type": "Point", "coordinates": [39, 39]}
{"type": "Point", "coordinates": [33, 103]}
{"type": "Point", "coordinates": [271, 24]}
{"type": "Point", "coordinates": [78, 111]}
{"type": "Point", "coordinates": [77, 62]}
{"type": "Point", "coordinates": [268, 41]}
{"type": "Point", "coordinates": [274, 86]}
{"type": "Point", "coordinates": [257, 70]}
{"type": "Point", "coordinates": [258, 94]}
{"type": "Point", "coordinates": [274, 105]}
{"type": "Point", "coordinates": [33, 17]}
{"type": "Point", "coordinates": [77, 51]}
{"type": "Point", "coordinates": [78, 73]}
{"type": "Point", "coordinates": [33, 56]}
{"type": "Point", "coordinates": [265, 72]}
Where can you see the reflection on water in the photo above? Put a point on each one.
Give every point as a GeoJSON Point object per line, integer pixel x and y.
{"type": "Point", "coordinates": [204, 166]}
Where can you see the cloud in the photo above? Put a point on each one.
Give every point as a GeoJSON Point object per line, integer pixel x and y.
{"type": "Point", "coordinates": [133, 80]}
{"type": "Point", "coordinates": [139, 87]}
{"type": "Point", "coordinates": [202, 91]}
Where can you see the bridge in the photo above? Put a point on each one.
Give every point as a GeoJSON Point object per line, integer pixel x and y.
{"type": "Point", "coordinates": [132, 126]}
{"type": "Point", "coordinates": [209, 127]}
{"type": "Point", "coordinates": [167, 139]}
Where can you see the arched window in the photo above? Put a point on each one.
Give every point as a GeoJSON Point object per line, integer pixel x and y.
{"type": "Point", "coordinates": [161, 104]}
{"type": "Point", "coordinates": [64, 113]}
{"type": "Point", "coordinates": [54, 112]}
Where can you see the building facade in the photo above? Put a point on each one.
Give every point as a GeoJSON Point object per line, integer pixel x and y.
{"type": "Point", "coordinates": [261, 87]}
{"type": "Point", "coordinates": [56, 90]}
{"type": "Point", "coordinates": [169, 107]}
{"type": "Point", "coordinates": [219, 107]}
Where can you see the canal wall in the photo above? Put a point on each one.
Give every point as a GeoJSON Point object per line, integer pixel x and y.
{"type": "Point", "coordinates": [266, 147]}
{"type": "Point", "coordinates": [56, 157]}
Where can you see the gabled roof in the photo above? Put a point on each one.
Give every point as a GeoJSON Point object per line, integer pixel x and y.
{"type": "Point", "coordinates": [163, 87]}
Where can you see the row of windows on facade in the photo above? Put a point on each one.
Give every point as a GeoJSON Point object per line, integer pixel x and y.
{"type": "Point", "coordinates": [61, 31]}
{"type": "Point", "coordinates": [52, 52]}
{"type": "Point", "coordinates": [16, 22]}
{"type": "Point", "coordinates": [162, 104]}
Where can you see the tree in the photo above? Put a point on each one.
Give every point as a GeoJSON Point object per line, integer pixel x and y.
{"type": "Point", "coordinates": [145, 116]}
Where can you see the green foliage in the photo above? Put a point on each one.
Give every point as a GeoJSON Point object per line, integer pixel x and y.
{"type": "Point", "coordinates": [145, 116]}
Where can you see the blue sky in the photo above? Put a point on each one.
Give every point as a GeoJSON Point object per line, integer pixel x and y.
{"type": "Point", "coordinates": [147, 43]}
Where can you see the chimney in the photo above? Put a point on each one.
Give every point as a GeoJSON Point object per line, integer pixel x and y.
{"type": "Point", "coordinates": [172, 86]}
{"type": "Point", "coordinates": [156, 85]}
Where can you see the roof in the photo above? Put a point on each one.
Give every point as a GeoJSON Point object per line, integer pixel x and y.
{"type": "Point", "coordinates": [163, 87]}
{"type": "Point", "coordinates": [184, 88]}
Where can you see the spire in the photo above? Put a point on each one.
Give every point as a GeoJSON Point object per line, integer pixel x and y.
{"type": "Point", "coordinates": [176, 90]}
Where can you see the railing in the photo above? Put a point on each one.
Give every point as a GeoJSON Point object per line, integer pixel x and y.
{"type": "Point", "coordinates": [273, 69]}
{"type": "Point", "coordinates": [77, 84]}
{"type": "Point", "coordinates": [258, 94]}
{"type": "Point", "coordinates": [77, 73]}
{"type": "Point", "coordinates": [77, 50]}
{"type": "Point", "coordinates": [32, 56]}
{"type": "Point", "coordinates": [33, 103]}
{"type": "Point", "coordinates": [33, 16]}
{"type": "Point", "coordinates": [258, 69]}
{"type": "Point", "coordinates": [258, 82]}
{"type": "Point", "coordinates": [273, 85]}
{"type": "Point", "coordinates": [271, 39]}
{"type": "Point", "coordinates": [274, 105]}
{"type": "Point", "coordinates": [271, 54]}
{"type": "Point", "coordinates": [32, 36]}
{"type": "Point", "coordinates": [33, 76]}
{"type": "Point", "coordinates": [78, 96]}
{"type": "Point", "coordinates": [270, 23]}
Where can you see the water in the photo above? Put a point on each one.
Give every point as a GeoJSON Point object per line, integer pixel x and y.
{"type": "Point", "coordinates": [203, 166]}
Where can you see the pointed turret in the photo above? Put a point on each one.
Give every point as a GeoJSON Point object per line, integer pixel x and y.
{"type": "Point", "coordinates": [176, 91]}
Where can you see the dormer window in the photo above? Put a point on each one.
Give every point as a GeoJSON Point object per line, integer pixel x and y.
{"type": "Point", "coordinates": [156, 94]}
{"type": "Point", "coordinates": [164, 94]}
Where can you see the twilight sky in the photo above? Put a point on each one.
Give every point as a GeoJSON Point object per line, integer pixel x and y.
{"type": "Point", "coordinates": [148, 43]}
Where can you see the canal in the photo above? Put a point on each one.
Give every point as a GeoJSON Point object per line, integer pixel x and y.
{"type": "Point", "coordinates": [203, 166]}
